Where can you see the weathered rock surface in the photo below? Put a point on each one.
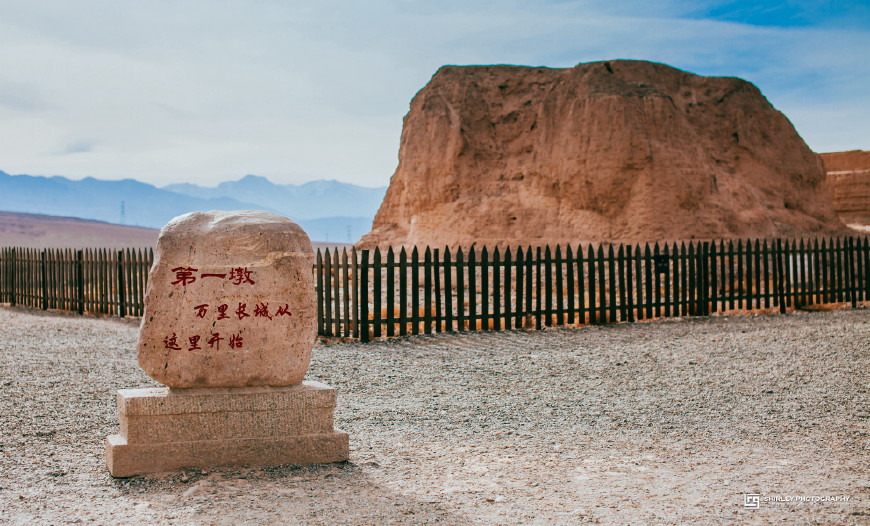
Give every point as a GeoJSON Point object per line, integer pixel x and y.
{"type": "Point", "coordinates": [230, 302]}
{"type": "Point", "coordinates": [605, 151]}
{"type": "Point", "coordinates": [848, 179]}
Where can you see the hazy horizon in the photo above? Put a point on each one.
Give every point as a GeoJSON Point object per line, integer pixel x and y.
{"type": "Point", "coordinates": [209, 184]}
{"type": "Point", "coordinates": [214, 184]}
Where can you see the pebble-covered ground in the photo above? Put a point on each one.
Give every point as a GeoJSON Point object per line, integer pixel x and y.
{"type": "Point", "coordinates": [664, 422]}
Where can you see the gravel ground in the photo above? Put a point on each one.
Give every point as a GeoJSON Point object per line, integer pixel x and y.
{"type": "Point", "coordinates": [665, 422]}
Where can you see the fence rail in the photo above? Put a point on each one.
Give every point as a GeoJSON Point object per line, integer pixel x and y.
{"type": "Point", "coordinates": [370, 294]}
{"type": "Point", "coordinates": [366, 295]}
{"type": "Point", "coordinates": [93, 281]}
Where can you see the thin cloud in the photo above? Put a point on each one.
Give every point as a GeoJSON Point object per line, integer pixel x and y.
{"type": "Point", "coordinates": [79, 146]}
{"type": "Point", "coordinates": [21, 98]}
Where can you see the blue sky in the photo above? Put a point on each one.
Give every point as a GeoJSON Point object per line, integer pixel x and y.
{"type": "Point", "coordinates": [205, 91]}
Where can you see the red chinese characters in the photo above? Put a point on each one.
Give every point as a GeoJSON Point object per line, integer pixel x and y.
{"type": "Point", "coordinates": [240, 275]}
{"type": "Point", "coordinates": [171, 342]}
{"type": "Point", "coordinates": [184, 276]}
{"type": "Point", "coordinates": [261, 310]}
{"type": "Point", "coordinates": [236, 341]}
{"type": "Point", "coordinates": [215, 341]}
{"type": "Point", "coordinates": [212, 313]}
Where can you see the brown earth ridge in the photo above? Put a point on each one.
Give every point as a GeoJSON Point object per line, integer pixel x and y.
{"type": "Point", "coordinates": [848, 179]}
{"type": "Point", "coordinates": [44, 231]}
{"type": "Point", "coordinates": [622, 151]}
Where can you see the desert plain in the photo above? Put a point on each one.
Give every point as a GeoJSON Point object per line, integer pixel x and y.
{"type": "Point", "coordinates": [668, 422]}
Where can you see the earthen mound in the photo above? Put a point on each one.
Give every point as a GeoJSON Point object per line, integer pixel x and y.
{"type": "Point", "coordinates": [849, 182]}
{"type": "Point", "coordinates": [606, 151]}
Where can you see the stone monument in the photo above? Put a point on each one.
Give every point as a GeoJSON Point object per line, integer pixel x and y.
{"type": "Point", "coordinates": [229, 324]}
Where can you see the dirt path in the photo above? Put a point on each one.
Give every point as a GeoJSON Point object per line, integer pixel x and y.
{"type": "Point", "coordinates": [665, 422]}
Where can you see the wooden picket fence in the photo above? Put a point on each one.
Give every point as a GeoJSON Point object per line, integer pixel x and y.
{"type": "Point", "coordinates": [93, 281]}
{"type": "Point", "coordinates": [370, 294]}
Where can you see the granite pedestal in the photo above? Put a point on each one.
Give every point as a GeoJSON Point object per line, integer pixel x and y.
{"type": "Point", "coordinates": [165, 429]}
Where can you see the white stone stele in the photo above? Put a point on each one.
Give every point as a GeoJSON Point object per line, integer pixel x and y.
{"type": "Point", "coordinates": [166, 429]}
{"type": "Point", "coordinates": [230, 320]}
{"type": "Point", "coordinates": [230, 302]}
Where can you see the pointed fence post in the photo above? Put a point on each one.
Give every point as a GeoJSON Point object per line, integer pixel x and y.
{"type": "Point", "coordinates": [325, 293]}
{"type": "Point", "coordinates": [391, 293]}
{"type": "Point", "coordinates": [415, 291]}
{"type": "Point", "coordinates": [364, 297]}
{"type": "Point", "coordinates": [377, 294]}
{"type": "Point", "coordinates": [80, 284]}
{"type": "Point", "coordinates": [12, 283]}
{"type": "Point", "coordinates": [508, 288]}
{"type": "Point", "coordinates": [345, 286]}
{"type": "Point", "coordinates": [354, 308]}
{"type": "Point", "coordinates": [122, 293]}
{"type": "Point", "coordinates": [403, 292]}
{"type": "Point", "coordinates": [448, 291]}
{"type": "Point", "coordinates": [705, 279]}
{"type": "Point", "coordinates": [850, 259]}
{"type": "Point", "coordinates": [318, 276]}
{"type": "Point", "coordinates": [780, 277]}
{"type": "Point", "coordinates": [472, 291]}
{"type": "Point", "coordinates": [44, 280]}
{"type": "Point", "coordinates": [427, 290]}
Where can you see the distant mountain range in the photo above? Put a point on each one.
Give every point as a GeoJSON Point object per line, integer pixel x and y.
{"type": "Point", "coordinates": [327, 210]}
{"type": "Point", "coordinates": [314, 200]}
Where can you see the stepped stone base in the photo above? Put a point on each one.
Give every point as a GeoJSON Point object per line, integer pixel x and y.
{"type": "Point", "coordinates": [166, 429]}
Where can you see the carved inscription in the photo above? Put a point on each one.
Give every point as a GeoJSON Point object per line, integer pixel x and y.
{"type": "Point", "coordinates": [185, 276]}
